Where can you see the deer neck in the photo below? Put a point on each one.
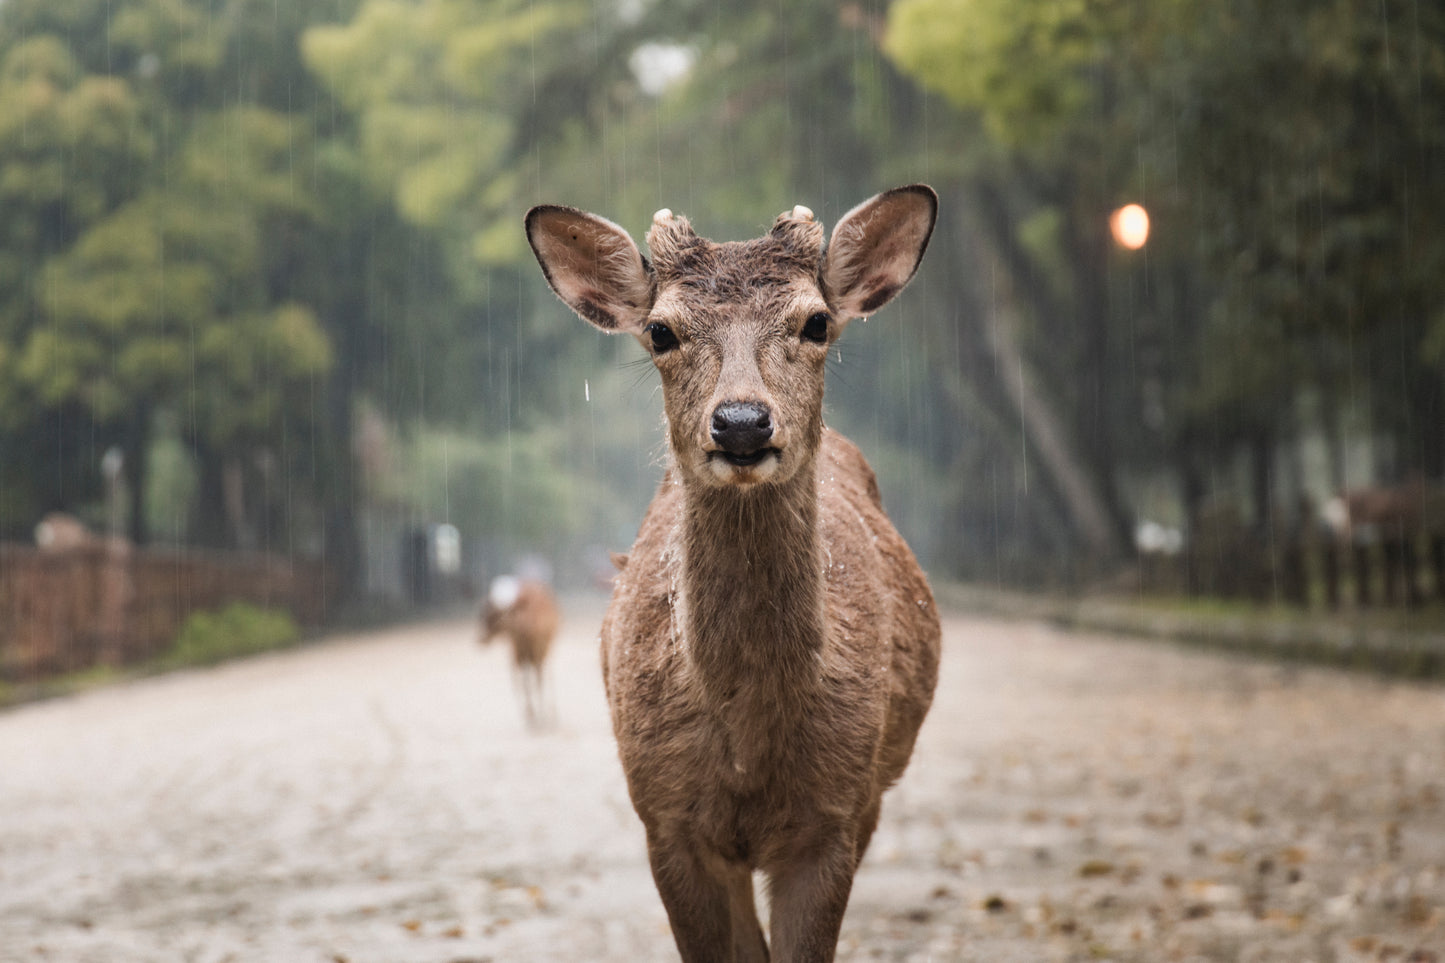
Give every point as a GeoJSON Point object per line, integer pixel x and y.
{"type": "Point", "coordinates": [752, 583]}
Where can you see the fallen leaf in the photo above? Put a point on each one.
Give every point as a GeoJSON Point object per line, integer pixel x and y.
{"type": "Point", "coordinates": [1291, 922]}
{"type": "Point", "coordinates": [1417, 911]}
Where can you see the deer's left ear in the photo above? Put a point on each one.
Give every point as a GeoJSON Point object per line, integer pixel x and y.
{"type": "Point", "coordinates": [593, 265]}
{"type": "Point", "coordinates": [876, 248]}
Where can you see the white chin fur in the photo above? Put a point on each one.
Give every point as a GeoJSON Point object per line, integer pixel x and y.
{"type": "Point", "coordinates": [729, 474]}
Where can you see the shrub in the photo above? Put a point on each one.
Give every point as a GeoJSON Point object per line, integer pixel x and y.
{"type": "Point", "coordinates": [237, 630]}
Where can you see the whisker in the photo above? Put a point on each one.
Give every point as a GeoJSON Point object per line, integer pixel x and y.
{"type": "Point", "coordinates": [835, 369]}
{"type": "Point", "coordinates": [643, 366]}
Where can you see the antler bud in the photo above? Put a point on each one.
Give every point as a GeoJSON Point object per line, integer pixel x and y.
{"type": "Point", "coordinates": [800, 231]}
{"type": "Point", "coordinates": [669, 236]}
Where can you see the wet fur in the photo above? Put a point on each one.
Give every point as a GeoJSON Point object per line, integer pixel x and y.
{"type": "Point", "coordinates": [771, 648]}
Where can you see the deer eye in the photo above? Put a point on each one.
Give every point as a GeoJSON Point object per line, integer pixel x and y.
{"type": "Point", "coordinates": [815, 329]}
{"type": "Point", "coordinates": [663, 340]}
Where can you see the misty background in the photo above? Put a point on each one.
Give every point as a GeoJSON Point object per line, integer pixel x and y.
{"type": "Point", "coordinates": [264, 285]}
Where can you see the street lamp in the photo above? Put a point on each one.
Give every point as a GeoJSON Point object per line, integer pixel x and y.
{"type": "Point", "coordinates": [1130, 226]}
{"type": "Point", "coordinates": [111, 464]}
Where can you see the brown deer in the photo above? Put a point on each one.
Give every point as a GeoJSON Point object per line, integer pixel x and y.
{"type": "Point", "coordinates": [525, 611]}
{"type": "Point", "coordinates": [59, 532]}
{"type": "Point", "coordinates": [772, 646]}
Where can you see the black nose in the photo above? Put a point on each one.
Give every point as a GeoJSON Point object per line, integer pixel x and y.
{"type": "Point", "coordinates": [741, 427]}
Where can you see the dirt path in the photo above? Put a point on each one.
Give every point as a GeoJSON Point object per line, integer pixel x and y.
{"type": "Point", "coordinates": [376, 798]}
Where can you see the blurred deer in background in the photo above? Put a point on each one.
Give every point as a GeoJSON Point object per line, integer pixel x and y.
{"type": "Point", "coordinates": [772, 645]}
{"type": "Point", "coordinates": [525, 611]}
{"type": "Point", "coordinates": [1394, 517]}
{"type": "Point", "coordinates": [59, 532]}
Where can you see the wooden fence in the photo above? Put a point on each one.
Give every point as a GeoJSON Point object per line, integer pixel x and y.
{"type": "Point", "coordinates": [108, 604]}
{"type": "Point", "coordinates": [1379, 566]}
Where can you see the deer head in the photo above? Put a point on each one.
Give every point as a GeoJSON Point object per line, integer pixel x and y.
{"type": "Point", "coordinates": [739, 331]}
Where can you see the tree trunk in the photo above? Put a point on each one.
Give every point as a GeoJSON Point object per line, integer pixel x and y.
{"type": "Point", "coordinates": [1044, 430]}
{"type": "Point", "coordinates": [1069, 473]}
{"type": "Point", "coordinates": [137, 471]}
{"type": "Point", "coordinates": [1261, 487]}
{"type": "Point", "coordinates": [208, 526]}
{"type": "Point", "coordinates": [340, 492]}
{"type": "Point", "coordinates": [1094, 431]}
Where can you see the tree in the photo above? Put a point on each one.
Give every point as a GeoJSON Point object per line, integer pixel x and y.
{"type": "Point", "coordinates": [163, 304]}
{"type": "Point", "coordinates": [70, 152]}
{"type": "Point", "coordinates": [1291, 254]}
{"type": "Point", "coordinates": [190, 233]}
{"type": "Point", "coordinates": [1047, 84]}
{"type": "Point", "coordinates": [1316, 199]}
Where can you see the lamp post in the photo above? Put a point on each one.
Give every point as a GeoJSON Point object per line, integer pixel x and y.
{"type": "Point", "coordinates": [111, 464]}
{"type": "Point", "coordinates": [116, 587]}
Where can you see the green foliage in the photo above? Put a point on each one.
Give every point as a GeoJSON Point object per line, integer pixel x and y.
{"type": "Point", "coordinates": [439, 88]}
{"type": "Point", "coordinates": [1285, 152]}
{"type": "Point", "coordinates": [170, 291]}
{"type": "Point", "coordinates": [185, 233]}
{"type": "Point", "coordinates": [240, 629]}
{"type": "Point", "coordinates": [1025, 66]}
{"type": "Point", "coordinates": [516, 490]}
{"type": "Point", "coordinates": [240, 219]}
{"type": "Point", "coordinates": [171, 493]}
{"type": "Point", "coordinates": [70, 138]}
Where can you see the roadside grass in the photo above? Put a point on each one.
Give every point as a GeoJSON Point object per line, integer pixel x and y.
{"type": "Point", "coordinates": [1401, 642]}
{"type": "Point", "coordinates": [207, 637]}
{"type": "Point", "coordinates": [238, 630]}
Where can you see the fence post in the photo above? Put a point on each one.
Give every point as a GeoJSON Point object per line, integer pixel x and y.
{"type": "Point", "coordinates": [1330, 557]}
{"type": "Point", "coordinates": [1410, 571]}
{"type": "Point", "coordinates": [1437, 562]}
{"type": "Point", "coordinates": [1361, 569]}
{"type": "Point", "coordinates": [1294, 582]}
{"type": "Point", "coordinates": [1390, 553]}
{"type": "Point", "coordinates": [117, 590]}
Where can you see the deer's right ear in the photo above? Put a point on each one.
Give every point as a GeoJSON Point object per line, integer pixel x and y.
{"type": "Point", "coordinates": [593, 265]}
{"type": "Point", "coordinates": [876, 247]}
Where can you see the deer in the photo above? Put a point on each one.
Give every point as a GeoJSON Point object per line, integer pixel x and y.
{"type": "Point", "coordinates": [771, 646]}
{"type": "Point", "coordinates": [525, 611]}
{"type": "Point", "coordinates": [61, 532]}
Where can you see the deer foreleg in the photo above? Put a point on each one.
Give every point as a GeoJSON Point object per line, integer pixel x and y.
{"type": "Point", "coordinates": [703, 903]}
{"type": "Point", "coordinates": [809, 894]}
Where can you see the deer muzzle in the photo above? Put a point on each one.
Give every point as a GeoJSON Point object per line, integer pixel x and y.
{"type": "Point", "coordinates": [742, 430]}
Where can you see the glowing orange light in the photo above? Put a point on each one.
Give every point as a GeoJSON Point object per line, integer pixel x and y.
{"type": "Point", "coordinates": [1130, 225]}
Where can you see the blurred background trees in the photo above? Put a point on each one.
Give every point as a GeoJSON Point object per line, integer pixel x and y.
{"type": "Point", "coordinates": [271, 253]}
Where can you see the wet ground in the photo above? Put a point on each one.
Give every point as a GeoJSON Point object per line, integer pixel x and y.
{"type": "Point", "coordinates": [377, 798]}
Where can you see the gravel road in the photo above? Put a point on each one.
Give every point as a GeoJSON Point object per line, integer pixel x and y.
{"type": "Point", "coordinates": [376, 798]}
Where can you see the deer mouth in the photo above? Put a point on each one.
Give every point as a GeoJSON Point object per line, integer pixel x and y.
{"type": "Point", "coordinates": [744, 459]}
{"type": "Point", "coordinates": [745, 468]}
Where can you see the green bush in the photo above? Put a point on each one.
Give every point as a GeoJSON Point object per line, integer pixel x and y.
{"type": "Point", "coordinates": [238, 629]}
